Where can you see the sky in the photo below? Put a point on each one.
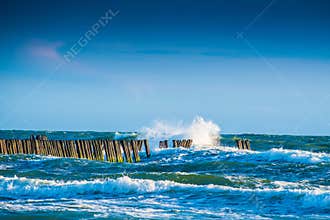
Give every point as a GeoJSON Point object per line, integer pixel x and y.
{"type": "Point", "coordinates": [259, 66]}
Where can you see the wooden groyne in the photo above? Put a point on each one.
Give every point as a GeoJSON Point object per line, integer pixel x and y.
{"type": "Point", "coordinates": [186, 143]}
{"type": "Point", "coordinates": [103, 150]}
{"type": "Point", "coordinates": [243, 144]}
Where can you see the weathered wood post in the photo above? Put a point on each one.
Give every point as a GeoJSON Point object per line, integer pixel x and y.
{"type": "Point", "coordinates": [115, 156]}
{"type": "Point", "coordinates": [126, 150]}
{"type": "Point", "coordinates": [3, 147]}
{"type": "Point", "coordinates": [79, 151]}
{"type": "Point", "coordinates": [52, 144]}
{"type": "Point", "coordinates": [87, 149]}
{"type": "Point", "coordinates": [139, 144]}
{"type": "Point", "coordinates": [108, 154]}
{"type": "Point", "coordinates": [73, 148]}
{"type": "Point", "coordinates": [190, 142]}
{"type": "Point", "coordinates": [9, 147]}
{"type": "Point", "coordinates": [98, 148]}
{"type": "Point", "coordinates": [118, 151]}
{"type": "Point", "coordinates": [135, 151]}
{"type": "Point", "coordinates": [84, 149]}
{"type": "Point", "coordinates": [247, 144]}
{"type": "Point", "coordinates": [111, 151]}
{"type": "Point", "coordinates": [239, 144]}
{"type": "Point", "coordinates": [60, 148]}
{"type": "Point", "coordinates": [90, 150]}
{"type": "Point", "coordinates": [163, 144]}
{"type": "Point", "coordinates": [146, 145]}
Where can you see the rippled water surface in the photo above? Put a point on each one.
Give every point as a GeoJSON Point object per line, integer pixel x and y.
{"type": "Point", "coordinates": [282, 177]}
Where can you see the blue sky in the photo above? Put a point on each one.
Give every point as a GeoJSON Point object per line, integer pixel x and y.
{"type": "Point", "coordinates": [250, 66]}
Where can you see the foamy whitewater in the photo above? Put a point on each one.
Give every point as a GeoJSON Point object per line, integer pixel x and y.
{"type": "Point", "coordinates": [282, 177]}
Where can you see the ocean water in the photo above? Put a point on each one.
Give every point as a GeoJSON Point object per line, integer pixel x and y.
{"type": "Point", "coordinates": [282, 177]}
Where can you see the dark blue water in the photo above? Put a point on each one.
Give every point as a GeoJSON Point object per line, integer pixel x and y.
{"type": "Point", "coordinates": [283, 177]}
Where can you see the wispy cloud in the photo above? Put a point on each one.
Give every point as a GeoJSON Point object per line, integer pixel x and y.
{"type": "Point", "coordinates": [44, 50]}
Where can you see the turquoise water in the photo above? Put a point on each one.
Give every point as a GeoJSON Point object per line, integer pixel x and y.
{"type": "Point", "coordinates": [284, 177]}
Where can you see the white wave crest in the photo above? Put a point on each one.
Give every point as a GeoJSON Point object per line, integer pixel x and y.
{"type": "Point", "coordinates": [272, 155]}
{"type": "Point", "coordinates": [18, 187]}
{"type": "Point", "coordinates": [201, 131]}
{"type": "Point", "coordinates": [297, 156]}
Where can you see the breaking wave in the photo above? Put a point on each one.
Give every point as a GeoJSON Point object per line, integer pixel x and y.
{"type": "Point", "coordinates": [13, 187]}
{"type": "Point", "coordinates": [201, 131]}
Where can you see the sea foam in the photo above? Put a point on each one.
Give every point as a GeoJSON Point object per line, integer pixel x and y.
{"type": "Point", "coordinates": [201, 131]}
{"type": "Point", "coordinates": [18, 187]}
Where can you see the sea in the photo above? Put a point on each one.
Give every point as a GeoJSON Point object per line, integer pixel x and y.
{"type": "Point", "coordinates": [281, 177]}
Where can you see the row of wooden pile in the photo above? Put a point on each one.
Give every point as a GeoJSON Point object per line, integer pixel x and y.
{"type": "Point", "coordinates": [243, 144]}
{"type": "Point", "coordinates": [187, 143]}
{"type": "Point", "coordinates": [109, 150]}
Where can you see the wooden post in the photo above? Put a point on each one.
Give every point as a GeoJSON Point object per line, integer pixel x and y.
{"type": "Point", "coordinates": [79, 151]}
{"type": "Point", "coordinates": [67, 148]}
{"type": "Point", "coordinates": [239, 144]}
{"type": "Point", "coordinates": [3, 147]}
{"type": "Point", "coordinates": [98, 145]}
{"type": "Point", "coordinates": [101, 149]}
{"type": "Point", "coordinates": [9, 147]}
{"type": "Point", "coordinates": [50, 149]}
{"type": "Point", "coordinates": [53, 144]}
{"type": "Point", "coordinates": [12, 143]}
{"type": "Point", "coordinates": [119, 154]}
{"type": "Point", "coordinates": [19, 146]}
{"type": "Point", "coordinates": [90, 150]}
{"type": "Point", "coordinates": [33, 145]}
{"type": "Point", "coordinates": [43, 146]}
{"type": "Point", "coordinates": [163, 144]}
{"type": "Point", "coordinates": [95, 147]}
{"type": "Point", "coordinates": [25, 147]}
{"type": "Point", "coordinates": [29, 145]}
{"type": "Point", "coordinates": [36, 146]}
{"type": "Point", "coordinates": [247, 145]}
{"type": "Point", "coordinates": [47, 147]}
{"type": "Point", "coordinates": [126, 150]}
{"type": "Point", "coordinates": [106, 144]}
{"type": "Point", "coordinates": [110, 151]}
{"type": "Point", "coordinates": [140, 143]}
{"type": "Point", "coordinates": [73, 148]}
{"type": "Point", "coordinates": [184, 143]}
{"type": "Point", "coordinates": [58, 145]}
{"type": "Point", "coordinates": [146, 145]}
{"type": "Point", "coordinates": [135, 151]}
{"type": "Point", "coordinates": [190, 141]}
{"type": "Point", "coordinates": [83, 149]}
